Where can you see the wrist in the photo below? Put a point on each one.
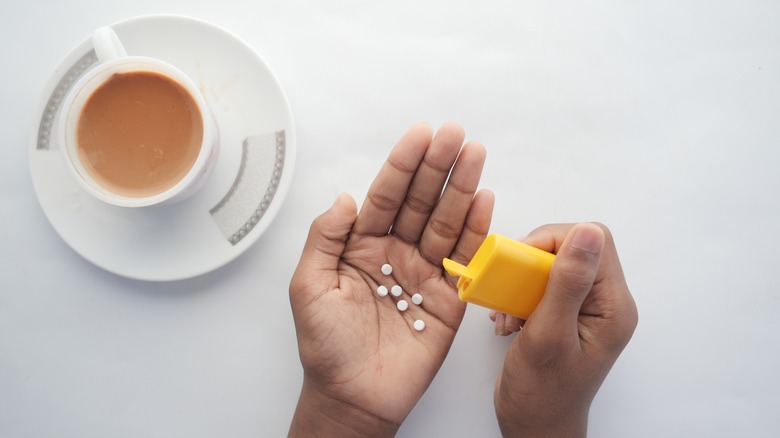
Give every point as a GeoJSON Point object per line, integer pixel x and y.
{"type": "Point", "coordinates": [566, 427]}
{"type": "Point", "coordinates": [532, 415]}
{"type": "Point", "coordinates": [318, 414]}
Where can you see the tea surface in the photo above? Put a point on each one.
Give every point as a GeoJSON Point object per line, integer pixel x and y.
{"type": "Point", "coordinates": [139, 134]}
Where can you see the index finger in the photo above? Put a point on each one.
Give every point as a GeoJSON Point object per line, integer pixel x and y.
{"type": "Point", "coordinates": [388, 191]}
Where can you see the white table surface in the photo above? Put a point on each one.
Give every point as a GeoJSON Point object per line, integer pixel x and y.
{"type": "Point", "coordinates": [660, 119]}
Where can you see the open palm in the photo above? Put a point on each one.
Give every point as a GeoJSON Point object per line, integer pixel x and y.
{"type": "Point", "coordinates": [357, 347]}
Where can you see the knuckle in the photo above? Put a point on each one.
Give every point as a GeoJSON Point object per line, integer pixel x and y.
{"type": "Point", "coordinates": [437, 165]}
{"type": "Point", "coordinates": [461, 189]}
{"type": "Point", "coordinates": [544, 229]}
{"type": "Point", "coordinates": [400, 166]}
{"type": "Point", "coordinates": [382, 202]}
{"type": "Point", "coordinates": [445, 229]}
{"type": "Point", "coordinates": [574, 277]}
{"type": "Point", "coordinates": [624, 324]}
{"type": "Point", "coordinates": [630, 320]}
{"type": "Point", "coordinates": [418, 204]}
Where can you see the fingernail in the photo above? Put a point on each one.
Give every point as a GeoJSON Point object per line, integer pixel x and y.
{"type": "Point", "coordinates": [588, 239]}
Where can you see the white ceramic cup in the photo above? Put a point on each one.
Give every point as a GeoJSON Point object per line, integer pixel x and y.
{"type": "Point", "coordinates": [113, 59]}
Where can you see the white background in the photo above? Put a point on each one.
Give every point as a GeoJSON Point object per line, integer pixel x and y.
{"type": "Point", "coordinates": [659, 118]}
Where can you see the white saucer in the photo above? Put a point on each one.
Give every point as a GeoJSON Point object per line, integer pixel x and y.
{"type": "Point", "coordinates": [241, 197]}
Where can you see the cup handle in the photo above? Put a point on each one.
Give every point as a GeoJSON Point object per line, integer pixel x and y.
{"type": "Point", "coordinates": [107, 45]}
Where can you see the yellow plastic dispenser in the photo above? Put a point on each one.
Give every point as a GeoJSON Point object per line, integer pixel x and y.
{"type": "Point", "coordinates": [504, 275]}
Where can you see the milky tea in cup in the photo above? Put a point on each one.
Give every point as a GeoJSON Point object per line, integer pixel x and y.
{"type": "Point", "coordinates": [137, 131]}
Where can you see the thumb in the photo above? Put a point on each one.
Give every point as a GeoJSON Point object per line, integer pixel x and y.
{"type": "Point", "coordinates": [571, 277]}
{"type": "Point", "coordinates": [317, 269]}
